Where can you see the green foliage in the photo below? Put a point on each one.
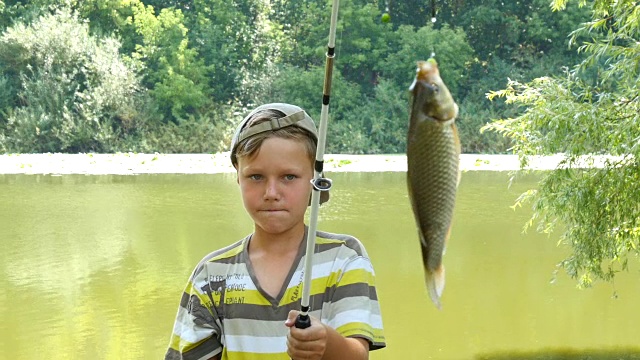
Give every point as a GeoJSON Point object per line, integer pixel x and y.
{"type": "Point", "coordinates": [601, 211]}
{"type": "Point", "coordinates": [105, 17]}
{"type": "Point", "coordinates": [199, 55]}
{"type": "Point", "coordinates": [73, 89]}
{"type": "Point", "coordinates": [7, 97]}
{"type": "Point", "coordinates": [361, 42]}
{"type": "Point", "coordinates": [305, 23]}
{"type": "Point", "coordinates": [410, 13]}
{"type": "Point", "coordinates": [234, 38]}
{"type": "Point", "coordinates": [17, 11]}
{"type": "Point", "coordinates": [598, 206]}
{"type": "Point", "coordinates": [471, 118]}
{"type": "Point", "coordinates": [384, 118]}
{"type": "Point", "coordinates": [520, 31]}
{"type": "Point", "coordinates": [178, 78]}
{"type": "Point", "coordinates": [452, 51]}
{"type": "Point", "coordinates": [304, 88]}
{"type": "Point", "coordinates": [193, 135]}
{"type": "Point", "coordinates": [489, 21]}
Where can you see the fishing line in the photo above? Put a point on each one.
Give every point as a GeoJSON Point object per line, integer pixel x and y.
{"type": "Point", "coordinates": [433, 21]}
{"type": "Point", "coordinates": [433, 11]}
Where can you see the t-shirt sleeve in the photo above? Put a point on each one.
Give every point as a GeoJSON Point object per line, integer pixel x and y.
{"type": "Point", "coordinates": [197, 329]}
{"type": "Point", "coordinates": [354, 305]}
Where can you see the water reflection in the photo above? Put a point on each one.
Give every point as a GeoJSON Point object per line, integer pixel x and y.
{"type": "Point", "coordinates": [93, 266]}
{"type": "Point", "coordinates": [566, 354]}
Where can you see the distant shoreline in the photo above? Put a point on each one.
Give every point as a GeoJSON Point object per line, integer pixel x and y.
{"type": "Point", "coordinates": [135, 163]}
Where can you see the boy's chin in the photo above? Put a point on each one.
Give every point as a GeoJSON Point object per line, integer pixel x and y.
{"type": "Point", "coordinates": [276, 229]}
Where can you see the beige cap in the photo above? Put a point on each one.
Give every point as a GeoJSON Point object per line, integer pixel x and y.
{"type": "Point", "coordinates": [294, 115]}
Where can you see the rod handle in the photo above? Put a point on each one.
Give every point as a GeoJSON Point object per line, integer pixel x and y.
{"type": "Point", "coordinates": [303, 321]}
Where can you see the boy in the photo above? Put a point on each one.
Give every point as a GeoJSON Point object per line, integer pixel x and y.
{"type": "Point", "coordinates": [238, 298]}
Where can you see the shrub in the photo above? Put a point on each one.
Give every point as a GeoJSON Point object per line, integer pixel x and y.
{"type": "Point", "coordinates": [75, 93]}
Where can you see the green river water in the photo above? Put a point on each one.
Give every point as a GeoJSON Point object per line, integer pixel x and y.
{"type": "Point", "coordinates": [94, 267]}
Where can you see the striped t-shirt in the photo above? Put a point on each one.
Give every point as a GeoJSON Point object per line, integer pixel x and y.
{"type": "Point", "coordinates": [224, 310]}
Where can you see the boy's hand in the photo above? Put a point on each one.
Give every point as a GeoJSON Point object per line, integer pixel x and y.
{"type": "Point", "coordinates": [306, 344]}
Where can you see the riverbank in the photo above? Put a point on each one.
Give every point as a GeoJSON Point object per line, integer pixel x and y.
{"type": "Point", "coordinates": [132, 163]}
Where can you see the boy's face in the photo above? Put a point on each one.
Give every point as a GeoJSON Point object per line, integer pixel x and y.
{"type": "Point", "coordinates": [275, 185]}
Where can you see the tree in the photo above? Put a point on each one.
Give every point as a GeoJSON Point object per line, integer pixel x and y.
{"type": "Point", "coordinates": [579, 116]}
{"type": "Point", "coordinates": [304, 88]}
{"type": "Point", "coordinates": [195, 57]}
{"type": "Point", "coordinates": [72, 91]}
{"type": "Point", "coordinates": [175, 76]}
{"type": "Point", "coordinates": [361, 38]}
{"type": "Point", "coordinates": [452, 51]}
{"type": "Point", "coordinates": [384, 118]}
{"type": "Point", "coordinates": [362, 42]}
{"type": "Point", "coordinates": [236, 40]}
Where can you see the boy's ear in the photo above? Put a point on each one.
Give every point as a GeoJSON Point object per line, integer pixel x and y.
{"type": "Point", "coordinates": [324, 197]}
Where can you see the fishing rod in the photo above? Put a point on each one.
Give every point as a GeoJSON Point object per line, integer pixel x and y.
{"type": "Point", "coordinates": [319, 182]}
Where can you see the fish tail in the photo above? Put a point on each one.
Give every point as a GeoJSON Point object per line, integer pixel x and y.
{"type": "Point", "coordinates": [435, 284]}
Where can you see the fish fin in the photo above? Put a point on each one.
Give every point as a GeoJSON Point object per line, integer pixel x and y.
{"type": "Point", "coordinates": [435, 285]}
{"type": "Point", "coordinates": [446, 240]}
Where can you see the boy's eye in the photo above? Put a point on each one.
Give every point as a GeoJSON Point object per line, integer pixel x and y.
{"type": "Point", "coordinates": [255, 177]}
{"type": "Point", "coordinates": [290, 177]}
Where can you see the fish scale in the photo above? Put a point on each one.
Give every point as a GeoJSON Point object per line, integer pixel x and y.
{"type": "Point", "coordinates": [433, 152]}
{"type": "Point", "coordinates": [434, 182]}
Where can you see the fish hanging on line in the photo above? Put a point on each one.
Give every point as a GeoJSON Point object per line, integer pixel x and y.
{"type": "Point", "coordinates": [433, 174]}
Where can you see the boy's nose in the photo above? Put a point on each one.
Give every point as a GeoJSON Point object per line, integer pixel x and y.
{"type": "Point", "coordinates": [272, 192]}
